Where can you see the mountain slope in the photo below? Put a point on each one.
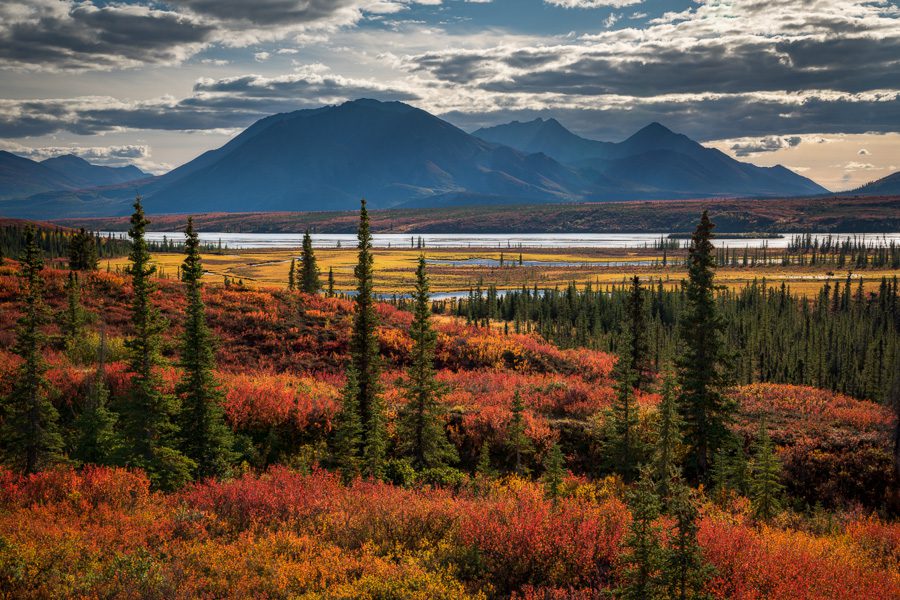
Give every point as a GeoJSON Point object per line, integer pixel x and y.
{"type": "Point", "coordinates": [547, 136]}
{"type": "Point", "coordinates": [85, 174]}
{"type": "Point", "coordinates": [22, 177]}
{"type": "Point", "coordinates": [655, 162]}
{"type": "Point", "coordinates": [881, 187]}
{"type": "Point", "coordinates": [387, 152]}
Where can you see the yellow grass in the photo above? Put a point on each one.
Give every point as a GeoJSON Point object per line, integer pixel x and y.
{"type": "Point", "coordinates": [395, 269]}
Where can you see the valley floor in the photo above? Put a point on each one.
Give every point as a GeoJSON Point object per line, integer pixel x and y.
{"type": "Point", "coordinates": [459, 270]}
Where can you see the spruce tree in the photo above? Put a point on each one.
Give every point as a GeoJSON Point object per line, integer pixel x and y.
{"type": "Point", "coordinates": [82, 251]}
{"type": "Point", "coordinates": [96, 441]}
{"type": "Point", "coordinates": [147, 414]}
{"type": "Point", "coordinates": [644, 556]}
{"type": "Point", "coordinates": [420, 428]}
{"type": "Point", "coordinates": [701, 364]}
{"type": "Point", "coordinates": [31, 439]}
{"type": "Point", "coordinates": [554, 471]}
{"type": "Point", "coordinates": [622, 443]}
{"type": "Point", "coordinates": [684, 572]}
{"type": "Point", "coordinates": [365, 357]}
{"type": "Point", "coordinates": [72, 324]}
{"type": "Point", "coordinates": [348, 431]}
{"type": "Point", "coordinates": [516, 440]}
{"type": "Point", "coordinates": [483, 466]}
{"type": "Point", "coordinates": [206, 438]}
{"type": "Point", "coordinates": [668, 440]}
{"type": "Point", "coordinates": [765, 478]}
{"type": "Point", "coordinates": [330, 292]}
{"type": "Point", "coordinates": [292, 281]}
{"type": "Point", "coordinates": [638, 351]}
{"type": "Point", "coordinates": [309, 276]}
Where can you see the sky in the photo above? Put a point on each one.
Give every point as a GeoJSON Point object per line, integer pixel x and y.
{"type": "Point", "coordinates": [810, 84]}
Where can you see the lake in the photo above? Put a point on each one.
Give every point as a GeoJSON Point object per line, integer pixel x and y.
{"type": "Point", "coordinates": [240, 241]}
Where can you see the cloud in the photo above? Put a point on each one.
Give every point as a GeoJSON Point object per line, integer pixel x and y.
{"type": "Point", "coordinates": [138, 155]}
{"type": "Point", "coordinates": [713, 47]}
{"type": "Point", "coordinates": [261, 56]}
{"type": "Point", "coordinates": [858, 166]}
{"type": "Point", "coordinates": [770, 143]}
{"type": "Point", "coordinates": [215, 104]}
{"type": "Point", "coordinates": [65, 35]}
{"type": "Point", "coordinates": [592, 3]}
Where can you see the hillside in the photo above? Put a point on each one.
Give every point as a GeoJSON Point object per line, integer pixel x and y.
{"type": "Point", "coordinates": [275, 531]}
{"type": "Point", "coordinates": [822, 214]}
{"type": "Point", "coordinates": [881, 187]}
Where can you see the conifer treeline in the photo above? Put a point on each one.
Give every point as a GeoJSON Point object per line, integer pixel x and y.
{"type": "Point", "coordinates": [845, 339]}
{"type": "Point", "coordinates": [58, 243]}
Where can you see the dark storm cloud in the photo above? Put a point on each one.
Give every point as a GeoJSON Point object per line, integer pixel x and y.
{"type": "Point", "coordinates": [851, 65]}
{"type": "Point", "coordinates": [61, 35]}
{"type": "Point", "coordinates": [251, 87]}
{"type": "Point", "coordinates": [269, 12]}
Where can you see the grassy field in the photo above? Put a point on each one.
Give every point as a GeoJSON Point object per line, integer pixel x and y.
{"type": "Point", "coordinates": [395, 269]}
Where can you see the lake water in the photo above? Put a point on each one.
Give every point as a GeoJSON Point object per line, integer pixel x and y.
{"type": "Point", "coordinates": [239, 241]}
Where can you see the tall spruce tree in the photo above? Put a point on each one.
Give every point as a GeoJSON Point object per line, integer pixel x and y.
{"type": "Point", "coordinates": [31, 439]}
{"type": "Point", "coordinates": [623, 443]}
{"type": "Point", "coordinates": [638, 351]}
{"type": "Point", "coordinates": [684, 571]}
{"type": "Point", "coordinates": [292, 275]}
{"type": "Point", "coordinates": [765, 478]}
{"type": "Point", "coordinates": [644, 558]}
{"type": "Point", "coordinates": [73, 317]}
{"type": "Point", "coordinates": [309, 269]}
{"type": "Point", "coordinates": [701, 364]}
{"type": "Point", "coordinates": [516, 439]}
{"type": "Point", "coordinates": [82, 251]}
{"type": "Point", "coordinates": [206, 438]}
{"type": "Point", "coordinates": [668, 440]}
{"type": "Point", "coordinates": [330, 291]}
{"type": "Point", "coordinates": [365, 357]}
{"type": "Point", "coordinates": [421, 429]}
{"type": "Point", "coordinates": [96, 441]}
{"type": "Point", "coordinates": [554, 471]}
{"type": "Point", "coordinates": [148, 415]}
{"type": "Point", "coordinates": [348, 430]}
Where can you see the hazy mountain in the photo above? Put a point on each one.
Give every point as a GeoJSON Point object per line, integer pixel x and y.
{"type": "Point", "coordinates": [21, 177]}
{"type": "Point", "coordinates": [547, 136]}
{"type": "Point", "coordinates": [655, 162]}
{"type": "Point", "coordinates": [396, 155]}
{"type": "Point", "coordinates": [881, 187]}
{"type": "Point", "coordinates": [329, 158]}
{"type": "Point", "coordinates": [88, 175]}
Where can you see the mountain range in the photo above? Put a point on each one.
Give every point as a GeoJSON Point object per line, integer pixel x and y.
{"type": "Point", "coordinates": [21, 177]}
{"type": "Point", "coordinates": [395, 155]}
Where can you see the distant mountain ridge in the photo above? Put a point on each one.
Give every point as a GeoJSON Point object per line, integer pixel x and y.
{"type": "Point", "coordinates": [396, 155]}
{"type": "Point", "coordinates": [654, 163]}
{"type": "Point", "coordinates": [23, 177]}
{"type": "Point", "coordinates": [885, 186]}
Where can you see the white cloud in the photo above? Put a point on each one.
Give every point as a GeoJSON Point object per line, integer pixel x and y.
{"type": "Point", "coordinates": [592, 3]}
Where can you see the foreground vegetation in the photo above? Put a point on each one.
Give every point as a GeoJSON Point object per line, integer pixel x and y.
{"type": "Point", "coordinates": [167, 439]}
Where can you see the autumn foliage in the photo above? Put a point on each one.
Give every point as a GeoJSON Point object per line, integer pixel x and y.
{"type": "Point", "coordinates": [276, 532]}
